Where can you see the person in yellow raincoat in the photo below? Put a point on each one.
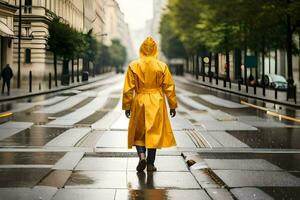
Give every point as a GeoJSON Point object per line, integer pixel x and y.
{"type": "Point", "coordinates": [147, 82]}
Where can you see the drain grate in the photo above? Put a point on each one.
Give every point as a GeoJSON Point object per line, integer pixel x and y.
{"type": "Point", "coordinates": [196, 137]}
{"type": "Point", "coordinates": [214, 177]}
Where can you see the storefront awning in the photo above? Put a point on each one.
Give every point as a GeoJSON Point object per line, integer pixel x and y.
{"type": "Point", "coordinates": [5, 31]}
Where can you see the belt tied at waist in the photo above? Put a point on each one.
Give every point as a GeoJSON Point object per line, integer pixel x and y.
{"type": "Point", "coordinates": [149, 90]}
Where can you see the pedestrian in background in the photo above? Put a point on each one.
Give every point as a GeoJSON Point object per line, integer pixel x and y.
{"type": "Point", "coordinates": [6, 75]}
{"type": "Point", "coordinates": [147, 82]}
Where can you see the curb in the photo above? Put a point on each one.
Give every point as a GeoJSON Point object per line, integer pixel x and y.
{"type": "Point", "coordinates": [55, 90]}
{"type": "Point", "coordinates": [245, 95]}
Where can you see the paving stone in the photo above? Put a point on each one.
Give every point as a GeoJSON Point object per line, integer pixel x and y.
{"type": "Point", "coordinates": [64, 105]}
{"type": "Point", "coordinates": [83, 112]}
{"type": "Point", "coordinates": [212, 142]}
{"type": "Point", "coordinates": [69, 137]}
{"type": "Point", "coordinates": [250, 194]}
{"type": "Point", "coordinates": [219, 194]}
{"type": "Point", "coordinates": [115, 139]}
{"type": "Point", "coordinates": [242, 164]}
{"type": "Point", "coordinates": [85, 194]}
{"type": "Point", "coordinates": [204, 180]}
{"type": "Point", "coordinates": [261, 122]}
{"type": "Point", "coordinates": [56, 178]}
{"type": "Point", "coordinates": [38, 192]}
{"type": "Point", "coordinates": [227, 140]}
{"type": "Point", "coordinates": [179, 123]}
{"type": "Point", "coordinates": [188, 101]}
{"type": "Point", "coordinates": [69, 161]}
{"type": "Point", "coordinates": [161, 194]}
{"type": "Point", "coordinates": [163, 163]}
{"type": "Point", "coordinates": [102, 164]}
{"type": "Point", "coordinates": [21, 177]}
{"type": "Point", "coordinates": [106, 122]}
{"type": "Point", "coordinates": [199, 117]}
{"type": "Point", "coordinates": [97, 179]}
{"type": "Point", "coordinates": [183, 140]}
{"type": "Point", "coordinates": [11, 128]}
{"type": "Point", "coordinates": [162, 180]}
{"type": "Point", "coordinates": [225, 125]}
{"type": "Point", "coordinates": [221, 102]}
{"type": "Point", "coordinates": [222, 116]}
{"type": "Point", "coordinates": [35, 136]}
{"type": "Point", "coordinates": [33, 158]}
{"type": "Point", "coordinates": [120, 124]}
{"type": "Point", "coordinates": [242, 178]}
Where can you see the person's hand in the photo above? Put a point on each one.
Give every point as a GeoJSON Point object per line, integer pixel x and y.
{"type": "Point", "coordinates": [127, 113]}
{"type": "Point", "coordinates": [172, 112]}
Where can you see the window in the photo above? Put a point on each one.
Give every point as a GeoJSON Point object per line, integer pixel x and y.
{"type": "Point", "coordinates": [27, 6]}
{"type": "Point", "coordinates": [27, 55]}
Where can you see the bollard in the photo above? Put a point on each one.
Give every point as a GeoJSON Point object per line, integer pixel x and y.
{"type": "Point", "coordinates": [203, 77]}
{"type": "Point", "coordinates": [247, 89]}
{"type": "Point", "coordinates": [224, 83]}
{"type": "Point", "coordinates": [210, 79]}
{"type": "Point", "coordinates": [276, 95]}
{"type": "Point", "coordinates": [30, 81]}
{"type": "Point", "coordinates": [217, 80]}
{"type": "Point", "coordinates": [40, 86]}
{"type": "Point", "coordinates": [239, 85]}
{"type": "Point", "coordinates": [229, 84]}
{"type": "Point", "coordinates": [254, 87]}
{"type": "Point", "coordinates": [50, 81]}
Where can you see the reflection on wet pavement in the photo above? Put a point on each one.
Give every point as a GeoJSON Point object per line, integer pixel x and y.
{"type": "Point", "coordinates": [286, 161]}
{"type": "Point", "coordinates": [33, 158]}
{"type": "Point", "coordinates": [20, 177]}
{"type": "Point", "coordinates": [35, 136]}
{"type": "Point", "coordinates": [283, 138]}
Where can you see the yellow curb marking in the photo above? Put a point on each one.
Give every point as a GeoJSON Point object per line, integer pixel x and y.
{"type": "Point", "coordinates": [7, 114]}
{"type": "Point", "coordinates": [274, 114]}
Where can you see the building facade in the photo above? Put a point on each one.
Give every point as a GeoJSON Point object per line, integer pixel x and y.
{"type": "Point", "coordinates": [7, 36]}
{"type": "Point", "coordinates": [116, 27]}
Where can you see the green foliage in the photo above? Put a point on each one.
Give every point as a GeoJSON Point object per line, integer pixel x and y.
{"type": "Point", "coordinates": [117, 53]}
{"type": "Point", "coordinates": [68, 43]}
{"type": "Point", "coordinates": [220, 26]}
{"type": "Point", "coordinates": [171, 44]}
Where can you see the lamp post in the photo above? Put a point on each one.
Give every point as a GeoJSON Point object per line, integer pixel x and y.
{"type": "Point", "coordinates": [19, 46]}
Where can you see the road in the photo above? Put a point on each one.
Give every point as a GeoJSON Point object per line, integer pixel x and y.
{"type": "Point", "coordinates": [73, 145]}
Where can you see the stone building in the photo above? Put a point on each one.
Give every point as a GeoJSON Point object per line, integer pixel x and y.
{"type": "Point", "coordinates": [7, 12]}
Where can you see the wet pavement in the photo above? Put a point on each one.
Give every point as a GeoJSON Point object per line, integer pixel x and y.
{"type": "Point", "coordinates": [73, 145]}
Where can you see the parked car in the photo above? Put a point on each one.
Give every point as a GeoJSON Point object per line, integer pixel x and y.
{"type": "Point", "coordinates": [275, 81]}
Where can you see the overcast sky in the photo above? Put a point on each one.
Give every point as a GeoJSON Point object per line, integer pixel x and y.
{"type": "Point", "coordinates": [136, 12]}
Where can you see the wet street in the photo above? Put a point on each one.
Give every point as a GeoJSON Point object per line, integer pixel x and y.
{"type": "Point", "coordinates": [73, 145]}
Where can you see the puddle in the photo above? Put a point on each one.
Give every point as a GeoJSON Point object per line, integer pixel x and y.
{"type": "Point", "coordinates": [82, 103]}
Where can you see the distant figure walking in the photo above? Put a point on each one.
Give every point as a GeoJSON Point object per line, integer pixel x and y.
{"type": "Point", "coordinates": [147, 82]}
{"type": "Point", "coordinates": [6, 75]}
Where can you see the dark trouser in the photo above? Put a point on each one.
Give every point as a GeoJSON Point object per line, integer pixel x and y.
{"type": "Point", "coordinates": [150, 156]}
{"type": "Point", "coordinates": [7, 85]}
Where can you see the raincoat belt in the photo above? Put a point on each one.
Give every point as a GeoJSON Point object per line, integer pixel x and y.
{"type": "Point", "coordinates": [149, 90]}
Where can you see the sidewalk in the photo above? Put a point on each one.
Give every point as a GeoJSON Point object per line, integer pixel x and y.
{"type": "Point", "coordinates": [24, 91]}
{"type": "Point", "coordinates": [269, 97]}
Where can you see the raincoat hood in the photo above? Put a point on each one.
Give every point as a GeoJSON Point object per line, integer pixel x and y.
{"type": "Point", "coordinates": [149, 48]}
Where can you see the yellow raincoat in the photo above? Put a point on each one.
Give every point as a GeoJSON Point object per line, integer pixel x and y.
{"type": "Point", "coordinates": [147, 82]}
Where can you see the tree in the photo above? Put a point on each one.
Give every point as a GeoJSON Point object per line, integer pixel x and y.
{"type": "Point", "coordinates": [102, 58]}
{"type": "Point", "coordinates": [171, 44]}
{"type": "Point", "coordinates": [63, 45]}
{"type": "Point", "coordinates": [117, 53]}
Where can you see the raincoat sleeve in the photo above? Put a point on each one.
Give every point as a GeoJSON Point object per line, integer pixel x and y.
{"type": "Point", "coordinates": [169, 88]}
{"type": "Point", "coordinates": [128, 90]}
